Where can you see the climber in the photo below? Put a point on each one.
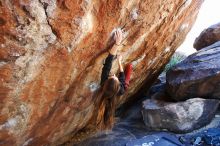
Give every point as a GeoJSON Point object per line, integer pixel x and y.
{"type": "Point", "coordinates": [111, 85]}
{"type": "Point", "coordinates": [122, 82]}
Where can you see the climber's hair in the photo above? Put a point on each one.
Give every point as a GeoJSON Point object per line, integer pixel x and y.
{"type": "Point", "coordinates": [110, 88]}
{"type": "Point", "coordinates": [106, 103]}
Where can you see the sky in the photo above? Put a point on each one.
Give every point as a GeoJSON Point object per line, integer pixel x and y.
{"type": "Point", "coordinates": [209, 14]}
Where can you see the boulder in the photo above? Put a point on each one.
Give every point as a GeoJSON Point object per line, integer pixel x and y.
{"type": "Point", "coordinates": [180, 117]}
{"type": "Point", "coordinates": [197, 76]}
{"type": "Point", "coordinates": [207, 37]}
{"type": "Point", "coordinates": [52, 52]}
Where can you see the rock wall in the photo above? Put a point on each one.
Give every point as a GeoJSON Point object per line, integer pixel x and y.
{"type": "Point", "coordinates": [51, 54]}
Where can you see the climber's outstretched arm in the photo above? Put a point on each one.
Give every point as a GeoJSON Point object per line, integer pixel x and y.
{"type": "Point", "coordinates": [112, 52]}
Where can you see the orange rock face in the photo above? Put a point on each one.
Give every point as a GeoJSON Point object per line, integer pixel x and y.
{"type": "Point", "coordinates": [51, 55]}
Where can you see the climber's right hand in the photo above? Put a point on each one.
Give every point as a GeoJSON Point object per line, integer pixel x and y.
{"type": "Point", "coordinates": [118, 36]}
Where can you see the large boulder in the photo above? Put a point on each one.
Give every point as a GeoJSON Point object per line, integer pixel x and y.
{"type": "Point", "coordinates": [180, 117]}
{"type": "Point", "coordinates": [207, 37]}
{"type": "Point", "coordinates": [51, 54]}
{"type": "Point", "coordinates": [197, 76]}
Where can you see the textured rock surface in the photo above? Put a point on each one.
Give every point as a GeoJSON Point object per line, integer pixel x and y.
{"type": "Point", "coordinates": [179, 117]}
{"type": "Point", "coordinates": [51, 55]}
{"type": "Point", "coordinates": [197, 76]}
{"type": "Point", "coordinates": [207, 37]}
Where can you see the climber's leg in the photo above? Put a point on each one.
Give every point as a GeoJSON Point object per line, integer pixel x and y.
{"type": "Point", "coordinates": [128, 70]}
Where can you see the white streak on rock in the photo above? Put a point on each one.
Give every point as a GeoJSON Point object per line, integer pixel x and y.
{"type": "Point", "coordinates": [27, 142]}
{"type": "Point", "coordinates": [11, 123]}
{"type": "Point", "coordinates": [167, 49]}
{"type": "Point", "coordinates": [93, 86]}
{"type": "Point", "coordinates": [134, 63]}
{"type": "Point", "coordinates": [85, 25]}
{"type": "Point", "coordinates": [2, 45]}
{"type": "Point", "coordinates": [2, 63]}
{"type": "Point", "coordinates": [152, 61]}
{"type": "Point", "coordinates": [185, 5]}
{"type": "Point", "coordinates": [15, 54]}
{"type": "Point", "coordinates": [184, 26]}
{"type": "Point", "coordinates": [25, 111]}
{"type": "Point", "coordinates": [134, 14]}
{"type": "Point", "coordinates": [138, 43]}
{"type": "Point", "coordinates": [66, 110]}
{"type": "Point", "coordinates": [69, 49]}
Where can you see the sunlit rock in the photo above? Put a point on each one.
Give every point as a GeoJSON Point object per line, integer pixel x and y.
{"type": "Point", "coordinates": [51, 54]}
